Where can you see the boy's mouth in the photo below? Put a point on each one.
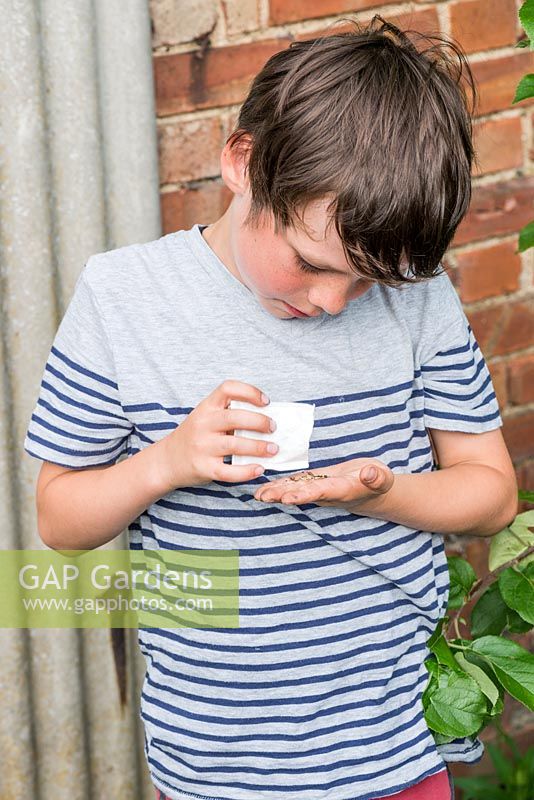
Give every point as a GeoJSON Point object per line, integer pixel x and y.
{"type": "Point", "coordinates": [295, 310]}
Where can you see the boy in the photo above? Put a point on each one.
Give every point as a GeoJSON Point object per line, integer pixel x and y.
{"type": "Point", "coordinates": [350, 171]}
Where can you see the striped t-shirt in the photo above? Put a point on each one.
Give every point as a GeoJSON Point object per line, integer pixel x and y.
{"type": "Point", "coordinates": [317, 695]}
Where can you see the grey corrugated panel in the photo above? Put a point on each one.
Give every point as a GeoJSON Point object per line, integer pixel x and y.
{"type": "Point", "coordinates": [16, 730]}
{"type": "Point", "coordinates": [128, 120]}
{"type": "Point", "coordinates": [28, 324]}
{"type": "Point", "coordinates": [74, 181]}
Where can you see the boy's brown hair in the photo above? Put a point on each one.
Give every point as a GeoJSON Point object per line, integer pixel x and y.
{"type": "Point", "coordinates": [378, 125]}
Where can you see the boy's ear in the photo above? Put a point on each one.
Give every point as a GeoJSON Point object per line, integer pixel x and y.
{"type": "Point", "coordinates": [233, 163]}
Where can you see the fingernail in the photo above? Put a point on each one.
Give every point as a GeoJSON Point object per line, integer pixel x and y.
{"type": "Point", "coordinates": [272, 425]}
{"type": "Point", "coordinates": [370, 474]}
{"type": "Point", "coordinates": [272, 447]}
{"type": "Point", "coordinates": [264, 398]}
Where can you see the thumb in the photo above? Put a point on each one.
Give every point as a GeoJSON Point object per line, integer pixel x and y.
{"type": "Point", "coordinates": [371, 476]}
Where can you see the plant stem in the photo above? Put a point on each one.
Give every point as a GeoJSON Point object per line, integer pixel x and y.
{"type": "Point", "coordinates": [481, 585]}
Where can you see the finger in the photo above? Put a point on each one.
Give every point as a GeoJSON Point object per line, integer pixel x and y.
{"type": "Point", "coordinates": [379, 480]}
{"type": "Point", "coordinates": [299, 496]}
{"type": "Point", "coordinates": [276, 487]}
{"type": "Point", "coordinates": [237, 390]}
{"type": "Point", "coordinates": [298, 492]}
{"type": "Point", "coordinates": [242, 446]}
{"type": "Point", "coordinates": [240, 419]}
{"type": "Point", "coordinates": [231, 473]}
{"type": "Point", "coordinates": [294, 497]}
{"type": "Point", "coordinates": [298, 479]}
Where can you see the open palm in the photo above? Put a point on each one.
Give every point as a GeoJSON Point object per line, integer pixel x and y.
{"type": "Point", "coordinates": [345, 484]}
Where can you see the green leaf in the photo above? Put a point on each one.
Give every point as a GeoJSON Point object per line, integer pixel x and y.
{"type": "Point", "coordinates": [526, 17]}
{"type": "Point", "coordinates": [498, 708]}
{"type": "Point", "coordinates": [517, 590]}
{"type": "Point", "coordinates": [437, 632]}
{"type": "Point", "coordinates": [512, 664]}
{"type": "Point", "coordinates": [515, 623]}
{"type": "Point", "coordinates": [523, 43]}
{"type": "Point", "coordinates": [489, 614]}
{"type": "Point", "coordinates": [505, 546]}
{"type": "Point", "coordinates": [482, 664]}
{"type": "Point", "coordinates": [462, 577]}
{"type": "Point", "coordinates": [439, 738]}
{"type": "Point", "coordinates": [480, 788]}
{"type": "Point", "coordinates": [486, 685]}
{"type": "Point", "coordinates": [526, 241]}
{"type": "Point", "coordinates": [503, 767]}
{"type": "Point", "coordinates": [444, 654]}
{"type": "Point", "coordinates": [433, 667]}
{"type": "Point", "coordinates": [528, 761]}
{"type": "Point", "coordinates": [525, 88]}
{"type": "Point", "coordinates": [458, 708]}
{"type": "Point", "coordinates": [523, 494]}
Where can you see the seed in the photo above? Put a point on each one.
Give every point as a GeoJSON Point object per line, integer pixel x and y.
{"type": "Point", "coordinates": [309, 476]}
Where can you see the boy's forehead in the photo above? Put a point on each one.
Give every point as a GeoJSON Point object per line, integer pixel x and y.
{"type": "Point", "coordinates": [317, 223]}
{"type": "Point", "coordinates": [316, 236]}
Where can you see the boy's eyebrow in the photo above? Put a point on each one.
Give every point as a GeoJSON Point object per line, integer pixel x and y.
{"type": "Point", "coordinates": [321, 266]}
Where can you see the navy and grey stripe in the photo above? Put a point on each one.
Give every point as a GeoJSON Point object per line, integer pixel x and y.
{"type": "Point", "coordinates": [318, 693]}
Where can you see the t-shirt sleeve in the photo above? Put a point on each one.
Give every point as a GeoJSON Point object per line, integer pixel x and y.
{"type": "Point", "coordinates": [78, 420]}
{"type": "Point", "coordinates": [458, 392]}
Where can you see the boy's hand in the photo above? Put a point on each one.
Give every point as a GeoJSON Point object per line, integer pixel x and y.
{"type": "Point", "coordinates": [193, 453]}
{"type": "Point", "coordinates": [346, 484]}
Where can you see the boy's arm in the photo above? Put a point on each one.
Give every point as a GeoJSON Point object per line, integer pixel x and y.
{"type": "Point", "coordinates": [84, 509]}
{"type": "Point", "coordinates": [474, 491]}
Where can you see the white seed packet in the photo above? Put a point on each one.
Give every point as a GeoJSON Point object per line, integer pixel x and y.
{"type": "Point", "coordinates": [294, 426]}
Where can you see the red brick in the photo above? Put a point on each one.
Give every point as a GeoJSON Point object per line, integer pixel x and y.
{"type": "Point", "coordinates": [425, 20]}
{"type": "Point", "coordinates": [517, 327]}
{"type": "Point", "coordinates": [451, 270]}
{"type": "Point", "coordinates": [504, 328]}
{"type": "Point", "coordinates": [477, 553]}
{"type": "Point", "coordinates": [190, 150]}
{"type": "Point", "coordinates": [210, 77]}
{"type": "Point", "coordinates": [483, 24]}
{"type": "Point", "coordinates": [518, 432]}
{"type": "Point", "coordinates": [526, 640]}
{"type": "Point", "coordinates": [525, 481]}
{"type": "Point", "coordinates": [485, 324]}
{"type": "Point", "coordinates": [203, 203]}
{"type": "Point", "coordinates": [488, 271]}
{"type": "Point", "coordinates": [521, 380]}
{"type": "Point", "coordinates": [231, 123]}
{"type": "Point", "coordinates": [241, 17]}
{"type": "Point", "coordinates": [295, 10]}
{"type": "Point", "coordinates": [497, 79]}
{"type": "Point", "coordinates": [497, 145]}
{"type": "Point", "coordinates": [497, 209]}
{"type": "Point", "coordinates": [499, 380]}
{"type": "Point", "coordinates": [519, 721]}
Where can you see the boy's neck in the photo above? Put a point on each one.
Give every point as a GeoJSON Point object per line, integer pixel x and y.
{"type": "Point", "coordinates": [217, 237]}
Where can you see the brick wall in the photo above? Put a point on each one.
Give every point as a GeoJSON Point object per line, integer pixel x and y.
{"type": "Point", "coordinates": [206, 53]}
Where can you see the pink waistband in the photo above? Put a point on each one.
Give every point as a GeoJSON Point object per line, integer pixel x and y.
{"type": "Point", "coordinates": [435, 787]}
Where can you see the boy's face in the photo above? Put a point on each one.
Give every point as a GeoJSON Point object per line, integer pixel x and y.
{"type": "Point", "coordinates": [268, 263]}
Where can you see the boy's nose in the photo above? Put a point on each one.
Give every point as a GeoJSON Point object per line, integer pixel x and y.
{"type": "Point", "coordinates": [334, 301]}
{"type": "Point", "coordinates": [331, 303]}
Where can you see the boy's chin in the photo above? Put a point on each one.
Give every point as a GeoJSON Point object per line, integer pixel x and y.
{"type": "Point", "coordinates": [276, 308]}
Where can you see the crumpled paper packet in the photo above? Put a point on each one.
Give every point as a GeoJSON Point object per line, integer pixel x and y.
{"type": "Point", "coordinates": [294, 426]}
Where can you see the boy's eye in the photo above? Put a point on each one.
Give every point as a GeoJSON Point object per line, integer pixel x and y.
{"type": "Point", "coordinates": [305, 267]}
